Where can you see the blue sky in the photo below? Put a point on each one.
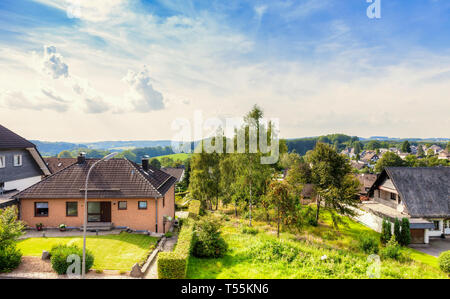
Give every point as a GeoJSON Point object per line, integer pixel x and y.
{"type": "Point", "coordinates": [319, 66]}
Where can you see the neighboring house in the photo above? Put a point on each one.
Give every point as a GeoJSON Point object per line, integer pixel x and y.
{"type": "Point", "coordinates": [366, 181]}
{"type": "Point", "coordinates": [57, 164]}
{"type": "Point", "coordinates": [177, 172]}
{"type": "Point", "coordinates": [403, 155]}
{"type": "Point", "coordinates": [349, 152]}
{"type": "Point", "coordinates": [436, 148]}
{"type": "Point", "coordinates": [358, 164]}
{"type": "Point", "coordinates": [308, 192]}
{"type": "Point", "coordinates": [420, 194]}
{"type": "Point", "coordinates": [121, 194]}
{"type": "Point", "coordinates": [21, 165]}
{"type": "Point", "coordinates": [444, 155]}
{"type": "Point", "coordinates": [369, 157]}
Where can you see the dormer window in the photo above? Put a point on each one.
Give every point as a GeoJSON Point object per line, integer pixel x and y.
{"type": "Point", "coordinates": [393, 197]}
{"type": "Point", "coordinates": [2, 162]}
{"type": "Point", "coordinates": [17, 160]}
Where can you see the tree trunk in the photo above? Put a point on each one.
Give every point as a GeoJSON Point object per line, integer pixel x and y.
{"type": "Point", "coordinates": [318, 209]}
{"type": "Point", "coordinates": [250, 204]}
{"type": "Point", "coordinates": [278, 223]}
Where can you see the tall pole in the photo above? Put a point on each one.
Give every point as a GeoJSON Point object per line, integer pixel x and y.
{"type": "Point", "coordinates": [83, 264]}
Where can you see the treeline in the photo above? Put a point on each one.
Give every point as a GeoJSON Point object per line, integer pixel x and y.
{"type": "Point", "coordinates": [134, 155]}
{"type": "Point", "coordinates": [303, 145]}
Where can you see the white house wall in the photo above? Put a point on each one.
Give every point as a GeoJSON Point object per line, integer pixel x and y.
{"type": "Point", "coordinates": [22, 184]}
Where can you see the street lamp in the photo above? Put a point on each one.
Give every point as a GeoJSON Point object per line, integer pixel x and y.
{"type": "Point", "coordinates": [83, 265]}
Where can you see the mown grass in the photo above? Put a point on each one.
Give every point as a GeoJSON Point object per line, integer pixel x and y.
{"type": "Point", "coordinates": [181, 156]}
{"type": "Point", "coordinates": [111, 252]}
{"type": "Point", "coordinates": [248, 257]}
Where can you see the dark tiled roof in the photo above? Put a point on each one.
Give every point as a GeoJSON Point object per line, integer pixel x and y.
{"type": "Point", "coordinates": [424, 190]}
{"type": "Point", "coordinates": [175, 172]}
{"type": "Point", "coordinates": [10, 140]}
{"type": "Point", "coordinates": [116, 178]}
{"type": "Point", "coordinates": [57, 164]}
{"type": "Point", "coordinates": [366, 181]}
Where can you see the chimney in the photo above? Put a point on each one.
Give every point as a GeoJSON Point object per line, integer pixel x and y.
{"type": "Point", "coordinates": [81, 158]}
{"type": "Point", "coordinates": [145, 163]}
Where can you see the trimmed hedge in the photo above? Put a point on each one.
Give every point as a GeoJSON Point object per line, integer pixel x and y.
{"type": "Point", "coordinates": [444, 261]}
{"type": "Point", "coordinates": [173, 265]}
{"type": "Point", "coordinates": [194, 209]}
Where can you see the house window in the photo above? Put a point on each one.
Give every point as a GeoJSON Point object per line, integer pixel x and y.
{"type": "Point", "coordinates": [399, 199]}
{"type": "Point", "coordinates": [41, 209]}
{"type": "Point", "coordinates": [17, 160]}
{"type": "Point", "coordinates": [164, 202]}
{"type": "Point", "coordinates": [142, 205]}
{"type": "Point", "coordinates": [436, 224]}
{"type": "Point", "coordinates": [71, 209]}
{"type": "Point", "coordinates": [393, 197]}
{"type": "Point", "coordinates": [122, 205]}
{"type": "Point", "coordinates": [2, 162]}
{"type": "Point", "coordinates": [447, 224]}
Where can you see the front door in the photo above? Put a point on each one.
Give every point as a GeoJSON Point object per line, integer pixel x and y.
{"type": "Point", "coordinates": [105, 210]}
{"type": "Point", "coordinates": [99, 211]}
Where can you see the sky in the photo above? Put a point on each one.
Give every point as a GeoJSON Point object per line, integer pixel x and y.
{"type": "Point", "coordinates": [86, 71]}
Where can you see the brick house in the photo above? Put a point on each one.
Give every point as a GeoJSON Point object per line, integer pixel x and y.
{"type": "Point", "coordinates": [121, 194]}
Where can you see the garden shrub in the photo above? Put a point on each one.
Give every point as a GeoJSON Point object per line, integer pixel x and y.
{"type": "Point", "coordinates": [405, 235]}
{"type": "Point", "coordinates": [173, 265]}
{"type": "Point", "coordinates": [444, 261]}
{"type": "Point", "coordinates": [10, 257]}
{"type": "Point", "coordinates": [194, 208]}
{"type": "Point", "coordinates": [60, 253]}
{"type": "Point", "coordinates": [309, 216]}
{"type": "Point", "coordinates": [274, 250]}
{"type": "Point", "coordinates": [245, 229]}
{"type": "Point", "coordinates": [397, 231]}
{"type": "Point", "coordinates": [208, 241]}
{"type": "Point", "coordinates": [392, 250]}
{"type": "Point", "coordinates": [386, 231]}
{"type": "Point", "coordinates": [368, 244]}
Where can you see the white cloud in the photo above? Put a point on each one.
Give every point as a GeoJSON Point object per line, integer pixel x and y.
{"type": "Point", "coordinates": [29, 101]}
{"type": "Point", "coordinates": [52, 63]}
{"type": "Point", "coordinates": [142, 96]}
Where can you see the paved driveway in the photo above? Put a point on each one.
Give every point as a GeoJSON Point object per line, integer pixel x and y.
{"type": "Point", "coordinates": [435, 247]}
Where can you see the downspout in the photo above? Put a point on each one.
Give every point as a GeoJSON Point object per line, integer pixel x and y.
{"type": "Point", "coordinates": [156, 214]}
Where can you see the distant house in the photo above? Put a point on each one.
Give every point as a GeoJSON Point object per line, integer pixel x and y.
{"type": "Point", "coordinates": [436, 149]}
{"type": "Point", "coordinates": [177, 172]}
{"type": "Point", "coordinates": [349, 152]}
{"type": "Point", "coordinates": [121, 194]}
{"type": "Point", "coordinates": [370, 157]}
{"type": "Point", "coordinates": [420, 194]}
{"type": "Point", "coordinates": [358, 164]}
{"type": "Point", "coordinates": [21, 165]}
{"type": "Point", "coordinates": [57, 164]}
{"type": "Point", "coordinates": [444, 155]}
{"type": "Point", "coordinates": [366, 181]}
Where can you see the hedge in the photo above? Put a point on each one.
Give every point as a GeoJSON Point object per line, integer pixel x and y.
{"type": "Point", "coordinates": [194, 209]}
{"type": "Point", "coordinates": [173, 265]}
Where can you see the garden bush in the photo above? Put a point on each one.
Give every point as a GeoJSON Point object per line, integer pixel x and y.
{"type": "Point", "coordinates": [444, 261]}
{"type": "Point", "coordinates": [60, 253]}
{"type": "Point", "coordinates": [173, 265]}
{"type": "Point", "coordinates": [405, 235]}
{"type": "Point", "coordinates": [10, 257]}
{"type": "Point", "coordinates": [274, 250]}
{"type": "Point", "coordinates": [245, 229]}
{"type": "Point", "coordinates": [392, 250]}
{"type": "Point", "coordinates": [208, 241]}
{"type": "Point", "coordinates": [194, 208]}
{"type": "Point", "coordinates": [368, 244]}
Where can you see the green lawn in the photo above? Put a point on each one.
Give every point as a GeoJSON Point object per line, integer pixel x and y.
{"type": "Point", "coordinates": [250, 258]}
{"type": "Point", "coordinates": [181, 156]}
{"type": "Point", "coordinates": [111, 252]}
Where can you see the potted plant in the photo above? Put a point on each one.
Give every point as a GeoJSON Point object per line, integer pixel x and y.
{"type": "Point", "coordinates": [62, 227]}
{"type": "Point", "coordinates": [39, 227]}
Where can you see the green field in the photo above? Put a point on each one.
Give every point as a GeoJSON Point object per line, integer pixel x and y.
{"type": "Point", "coordinates": [316, 252]}
{"type": "Point", "coordinates": [182, 156]}
{"type": "Point", "coordinates": [111, 252]}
